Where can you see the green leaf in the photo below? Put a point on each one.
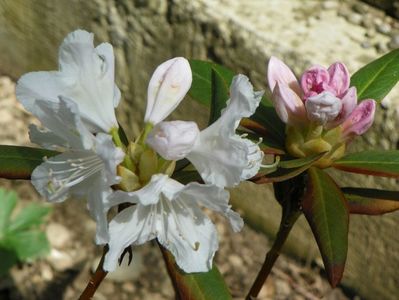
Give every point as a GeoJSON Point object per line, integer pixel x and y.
{"type": "Point", "coordinates": [8, 200]}
{"type": "Point", "coordinates": [287, 169]}
{"type": "Point", "coordinates": [373, 162]}
{"type": "Point", "coordinates": [8, 259]}
{"type": "Point", "coordinates": [299, 162]}
{"type": "Point", "coordinates": [196, 286]}
{"type": "Point", "coordinates": [219, 95]}
{"type": "Point", "coordinates": [201, 87]}
{"type": "Point", "coordinates": [371, 201]}
{"type": "Point", "coordinates": [27, 244]}
{"type": "Point", "coordinates": [29, 216]}
{"type": "Point", "coordinates": [266, 116]}
{"type": "Point", "coordinates": [325, 209]}
{"type": "Point", "coordinates": [19, 162]}
{"type": "Point", "coordinates": [377, 78]}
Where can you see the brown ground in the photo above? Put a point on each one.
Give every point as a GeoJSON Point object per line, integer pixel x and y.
{"type": "Point", "coordinates": [64, 273]}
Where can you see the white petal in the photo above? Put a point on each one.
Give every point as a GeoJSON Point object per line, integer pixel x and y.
{"type": "Point", "coordinates": [111, 155]}
{"type": "Point", "coordinates": [150, 193]}
{"type": "Point", "coordinates": [86, 76]}
{"type": "Point", "coordinates": [97, 201]}
{"type": "Point", "coordinates": [220, 155]}
{"type": "Point", "coordinates": [133, 225]}
{"type": "Point", "coordinates": [65, 174]}
{"type": "Point", "coordinates": [62, 118]}
{"type": "Point", "coordinates": [173, 140]}
{"type": "Point", "coordinates": [214, 198]}
{"type": "Point", "coordinates": [167, 88]}
{"type": "Point", "coordinates": [188, 234]}
{"type": "Point", "coordinates": [46, 138]}
{"type": "Point", "coordinates": [323, 107]}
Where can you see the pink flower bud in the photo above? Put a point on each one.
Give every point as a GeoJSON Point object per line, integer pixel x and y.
{"type": "Point", "coordinates": [323, 107]}
{"type": "Point", "coordinates": [339, 78]}
{"type": "Point", "coordinates": [279, 72]}
{"type": "Point", "coordinates": [288, 105]}
{"type": "Point", "coordinates": [360, 120]}
{"type": "Point", "coordinates": [315, 81]}
{"type": "Point", "coordinates": [167, 88]}
{"type": "Point", "coordinates": [173, 140]}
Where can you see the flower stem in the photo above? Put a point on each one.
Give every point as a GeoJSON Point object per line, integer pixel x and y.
{"type": "Point", "coordinates": [272, 255]}
{"type": "Point", "coordinates": [288, 193]}
{"type": "Point", "coordinates": [95, 280]}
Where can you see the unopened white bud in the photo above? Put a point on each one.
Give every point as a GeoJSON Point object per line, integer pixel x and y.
{"type": "Point", "coordinates": [173, 140]}
{"type": "Point", "coordinates": [323, 107]}
{"type": "Point", "coordinates": [167, 88]}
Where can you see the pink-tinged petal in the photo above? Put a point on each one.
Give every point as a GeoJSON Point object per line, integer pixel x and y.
{"type": "Point", "coordinates": [314, 81]}
{"type": "Point", "coordinates": [339, 78]}
{"type": "Point", "coordinates": [349, 101]}
{"type": "Point", "coordinates": [360, 119]}
{"type": "Point", "coordinates": [323, 107]}
{"type": "Point", "coordinates": [277, 71]}
{"type": "Point", "coordinates": [288, 105]}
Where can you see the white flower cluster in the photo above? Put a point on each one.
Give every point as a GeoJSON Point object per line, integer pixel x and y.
{"type": "Point", "coordinates": [76, 106]}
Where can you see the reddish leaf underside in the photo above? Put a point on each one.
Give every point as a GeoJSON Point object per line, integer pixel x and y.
{"type": "Point", "coordinates": [371, 201]}
{"type": "Point", "coordinates": [327, 214]}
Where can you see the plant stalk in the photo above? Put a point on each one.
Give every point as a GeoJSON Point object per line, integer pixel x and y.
{"type": "Point", "coordinates": [95, 280]}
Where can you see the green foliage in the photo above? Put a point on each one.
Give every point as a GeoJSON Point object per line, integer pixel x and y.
{"type": "Point", "coordinates": [20, 236]}
{"type": "Point", "coordinates": [325, 209]}
{"type": "Point", "coordinates": [196, 286]}
{"type": "Point", "coordinates": [371, 162]}
{"type": "Point", "coordinates": [377, 78]}
{"type": "Point", "coordinates": [18, 162]}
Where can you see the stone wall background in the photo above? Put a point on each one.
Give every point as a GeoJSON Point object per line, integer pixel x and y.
{"type": "Point", "coordinates": [242, 36]}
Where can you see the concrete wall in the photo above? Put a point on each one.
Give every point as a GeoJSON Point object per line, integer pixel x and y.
{"type": "Point", "coordinates": [241, 36]}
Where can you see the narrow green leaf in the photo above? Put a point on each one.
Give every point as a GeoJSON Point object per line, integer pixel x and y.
{"type": "Point", "coordinates": [27, 244]}
{"type": "Point", "coordinates": [19, 162]}
{"type": "Point", "coordinates": [325, 209]}
{"type": "Point", "coordinates": [31, 215]}
{"type": "Point", "coordinates": [373, 162]}
{"type": "Point", "coordinates": [201, 87]}
{"type": "Point", "coordinates": [299, 162]}
{"type": "Point", "coordinates": [377, 78]}
{"type": "Point", "coordinates": [219, 96]}
{"type": "Point", "coordinates": [289, 169]}
{"type": "Point", "coordinates": [371, 201]}
{"type": "Point", "coordinates": [8, 200]}
{"type": "Point", "coordinates": [266, 116]}
{"type": "Point", "coordinates": [196, 286]}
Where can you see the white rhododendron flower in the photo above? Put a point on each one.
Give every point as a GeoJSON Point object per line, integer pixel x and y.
{"type": "Point", "coordinates": [86, 76]}
{"type": "Point", "coordinates": [73, 104]}
{"type": "Point", "coordinates": [86, 168]}
{"type": "Point", "coordinates": [221, 156]}
{"type": "Point", "coordinates": [170, 211]}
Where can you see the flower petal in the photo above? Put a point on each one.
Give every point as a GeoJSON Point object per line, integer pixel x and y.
{"type": "Point", "coordinates": [167, 88]}
{"type": "Point", "coordinates": [360, 120]}
{"type": "Point", "coordinates": [339, 78]}
{"type": "Point", "coordinates": [188, 234]}
{"type": "Point", "coordinates": [173, 140]}
{"type": "Point", "coordinates": [220, 155]}
{"type": "Point", "coordinates": [133, 225]}
{"type": "Point", "coordinates": [349, 101]}
{"type": "Point", "coordinates": [86, 76]}
{"type": "Point", "coordinates": [66, 174]}
{"type": "Point", "coordinates": [62, 118]}
{"type": "Point", "coordinates": [323, 107]}
{"type": "Point", "coordinates": [150, 193]}
{"type": "Point", "coordinates": [214, 198]}
{"type": "Point", "coordinates": [279, 72]}
{"type": "Point", "coordinates": [45, 138]}
{"type": "Point", "coordinates": [314, 81]}
{"type": "Point", "coordinates": [289, 107]}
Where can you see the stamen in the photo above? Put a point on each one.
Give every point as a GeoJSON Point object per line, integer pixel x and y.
{"type": "Point", "coordinates": [273, 165]}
